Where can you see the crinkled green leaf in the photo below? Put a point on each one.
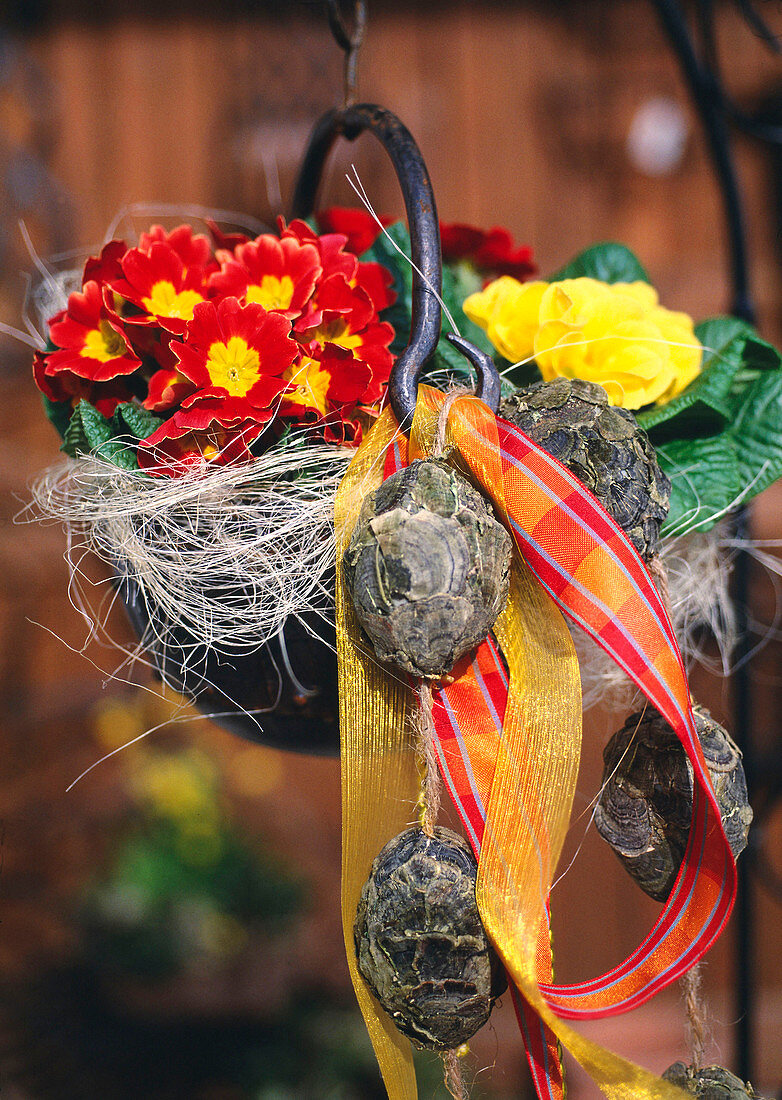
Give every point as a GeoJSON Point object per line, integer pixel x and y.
{"type": "Point", "coordinates": [757, 434]}
{"type": "Point", "coordinates": [705, 481]}
{"type": "Point", "coordinates": [137, 420]}
{"type": "Point", "coordinates": [121, 451]}
{"type": "Point", "coordinates": [89, 432]}
{"type": "Point", "coordinates": [610, 262]}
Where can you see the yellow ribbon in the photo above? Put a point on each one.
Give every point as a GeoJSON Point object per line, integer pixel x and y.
{"type": "Point", "coordinates": [379, 777]}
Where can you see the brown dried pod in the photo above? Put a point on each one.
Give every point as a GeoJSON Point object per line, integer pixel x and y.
{"type": "Point", "coordinates": [427, 568]}
{"type": "Point", "coordinates": [603, 446]}
{"type": "Point", "coordinates": [645, 808]}
{"type": "Point", "coordinates": [709, 1083]}
{"type": "Point", "coordinates": [420, 942]}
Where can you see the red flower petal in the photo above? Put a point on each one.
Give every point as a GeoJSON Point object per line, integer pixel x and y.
{"type": "Point", "coordinates": [498, 255]}
{"type": "Point", "coordinates": [376, 281]}
{"type": "Point", "coordinates": [236, 352]}
{"type": "Point", "coordinates": [91, 340]}
{"type": "Point", "coordinates": [459, 241]}
{"type": "Point", "coordinates": [107, 265]}
{"type": "Point", "coordinates": [333, 258]}
{"type": "Point", "coordinates": [64, 386]}
{"type": "Point", "coordinates": [227, 241]}
{"type": "Point", "coordinates": [167, 388]}
{"type": "Point", "coordinates": [161, 286]}
{"type": "Point", "coordinates": [206, 407]}
{"type": "Point", "coordinates": [491, 251]}
{"type": "Point", "coordinates": [358, 227]}
{"type": "Point", "coordinates": [192, 251]}
{"type": "Point", "coordinates": [279, 275]}
{"type": "Point", "coordinates": [175, 448]}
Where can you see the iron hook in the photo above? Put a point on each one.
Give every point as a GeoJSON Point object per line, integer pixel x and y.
{"type": "Point", "coordinates": [424, 240]}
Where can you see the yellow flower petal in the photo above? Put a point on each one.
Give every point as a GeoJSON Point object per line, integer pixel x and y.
{"type": "Point", "coordinates": [507, 311]}
{"type": "Point", "coordinates": [617, 335]}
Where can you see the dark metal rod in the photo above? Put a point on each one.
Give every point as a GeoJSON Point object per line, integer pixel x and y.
{"type": "Point", "coordinates": [702, 90]}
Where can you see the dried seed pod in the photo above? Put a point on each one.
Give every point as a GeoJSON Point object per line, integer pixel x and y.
{"type": "Point", "coordinates": [645, 809]}
{"type": "Point", "coordinates": [709, 1083]}
{"type": "Point", "coordinates": [420, 942]}
{"type": "Point", "coordinates": [427, 568]}
{"type": "Point", "coordinates": [603, 446]}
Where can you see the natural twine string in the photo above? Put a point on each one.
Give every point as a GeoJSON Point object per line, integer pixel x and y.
{"type": "Point", "coordinates": [690, 983]}
{"type": "Point", "coordinates": [431, 783]}
{"type": "Point", "coordinates": [695, 1006]}
{"type": "Point", "coordinates": [452, 1074]}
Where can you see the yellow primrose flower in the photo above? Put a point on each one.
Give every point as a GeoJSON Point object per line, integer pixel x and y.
{"type": "Point", "coordinates": [616, 334]}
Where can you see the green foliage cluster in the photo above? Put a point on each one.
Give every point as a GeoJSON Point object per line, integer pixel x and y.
{"type": "Point", "coordinates": [114, 438]}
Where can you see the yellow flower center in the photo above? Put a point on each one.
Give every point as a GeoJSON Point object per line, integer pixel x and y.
{"type": "Point", "coordinates": [234, 365]}
{"type": "Point", "coordinates": [312, 384]}
{"type": "Point", "coordinates": [337, 333]}
{"type": "Point", "coordinates": [272, 293]}
{"type": "Point", "coordinates": [103, 343]}
{"type": "Point", "coordinates": [164, 301]}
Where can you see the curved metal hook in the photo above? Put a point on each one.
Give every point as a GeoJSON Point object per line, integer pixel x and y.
{"type": "Point", "coordinates": [424, 239]}
{"type": "Point", "coordinates": [421, 215]}
{"type": "Point", "coordinates": [489, 385]}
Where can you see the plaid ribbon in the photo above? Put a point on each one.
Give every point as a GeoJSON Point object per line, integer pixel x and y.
{"type": "Point", "coordinates": [594, 575]}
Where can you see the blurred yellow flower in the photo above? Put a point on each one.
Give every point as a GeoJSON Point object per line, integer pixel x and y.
{"type": "Point", "coordinates": [177, 787]}
{"type": "Point", "coordinates": [616, 334]}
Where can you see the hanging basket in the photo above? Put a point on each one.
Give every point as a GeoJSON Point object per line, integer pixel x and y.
{"type": "Point", "coordinates": [284, 694]}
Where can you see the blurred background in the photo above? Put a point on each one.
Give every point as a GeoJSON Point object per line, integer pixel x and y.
{"type": "Point", "coordinates": [170, 927]}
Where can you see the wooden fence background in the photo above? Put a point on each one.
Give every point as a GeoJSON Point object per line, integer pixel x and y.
{"type": "Point", "coordinates": [523, 112]}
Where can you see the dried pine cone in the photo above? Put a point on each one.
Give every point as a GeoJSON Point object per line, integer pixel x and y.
{"type": "Point", "coordinates": [603, 446]}
{"type": "Point", "coordinates": [709, 1083]}
{"type": "Point", "coordinates": [645, 809]}
{"type": "Point", "coordinates": [420, 942]}
{"type": "Point", "coordinates": [427, 568]}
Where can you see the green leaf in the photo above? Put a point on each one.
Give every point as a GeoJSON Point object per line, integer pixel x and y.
{"type": "Point", "coordinates": [705, 481]}
{"type": "Point", "coordinates": [756, 433]}
{"type": "Point", "coordinates": [610, 262]}
{"type": "Point", "coordinates": [121, 451]}
{"type": "Point", "coordinates": [137, 420]}
{"type": "Point", "coordinates": [87, 430]}
{"type": "Point", "coordinates": [705, 407]}
{"type": "Point", "coordinates": [459, 282]}
{"type": "Point", "coordinates": [736, 342]}
{"type": "Point", "coordinates": [760, 355]}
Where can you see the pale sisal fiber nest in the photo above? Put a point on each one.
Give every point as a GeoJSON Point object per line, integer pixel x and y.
{"type": "Point", "coordinates": [227, 554]}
